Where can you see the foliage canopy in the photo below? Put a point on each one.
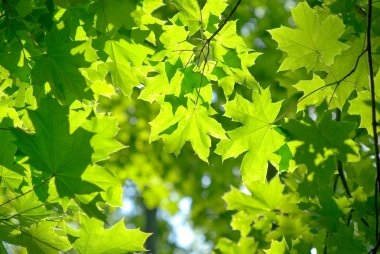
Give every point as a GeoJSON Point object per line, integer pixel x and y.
{"type": "Point", "coordinates": [272, 119]}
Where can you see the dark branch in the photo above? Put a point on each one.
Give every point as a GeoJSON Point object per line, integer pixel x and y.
{"type": "Point", "coordinates": [225, 21]}
{"type": "Point", "coordinates": [373, 107]}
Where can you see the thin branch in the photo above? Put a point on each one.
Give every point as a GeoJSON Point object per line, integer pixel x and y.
{"type": "Point", "coordinates": [337, 82]}
{"type": "Point", "coordinates": [340, 165]}
{"type": "Point", "coordinates": [202, 73]}
{"type": "Point", "coordinates": [104, 14]}
{"type": "Point", "coordinates": [343, 179]}
{"type": "Point", "coordinates": [22, 212]}
{"type": "Point", "coordinates": [32, 236]}
{"type": "Point", "coordinates": [342, 176]}
{"type": "Point", "coordinates": [377, 208]}
{"type": "Point", "coordinates": [373, 107]}
{"type": "Point", "coordinates": [23, 194]}
{"type": "Point", "coordinates": [374, 250]}
{"type": "Point", "coordinates": [207, 43]}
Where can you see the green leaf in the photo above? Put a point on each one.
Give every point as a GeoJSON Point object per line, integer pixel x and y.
{"type": "Point", "coordinates": [277, 247]}
{"type": "Point", "coordinates": [114, 14]}
{"type": "Point", "coordinates": [94, 239]}
{"type": "Point", "coordinates": [315, 40]}
{"type": "Point", "coordinates": [112, 190]}
{"type": "Point", "coordinates": [2, 249]}
{"type": "Point", "coordinates": [245, 245]}
{"type": "Point", "coordinates": [361, 106]}
{"type": "Point", "coordinates": [344, 64]}
{"type": "Point", "coordinates": [143, 14]}
{"type": "Point", "coordinates": [103, 142]}
{"type": "Point", "coordinates": [8, 150]}
{"type": "Point", "coordinates": [242, 221]}
{"type": "Point", "coordinates": [264, 198]}
{"type": "Point", "coordinates": [124, 62]}
{"type": "Point", "coordinates": [316, 91]}
{"type": "Point", "coordinates": [42, 238]}
{"type": "Point", "coordinates": [96, 80]}
{"type": "Point", "coordinates": [189, 124]}
{"type": "Point", "coordinates": [230, 39]}
{"type": "Point", "coordinates": [213, 7]}
{"type": "Point", "coordinates": [157, 86]}
{"type": "Point", "coordinates": [55, 152]}
{"type": "Point", "coordinates": [190, 13]}
{"type": "Point", "coordinates": [27, 209]}
{"type": "Point", "coordinates": [60, 69]}
{"type": "Point", "coordinates": [24, 7]}
{"type": "Point", "coordinates": [318, 146]}
{"type": "Point", "coordinates": [258, 136]}
{"type": "Point", "coordinates": [78, 114]}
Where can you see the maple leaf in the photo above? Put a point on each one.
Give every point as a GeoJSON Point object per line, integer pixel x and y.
{"type": "Point", "coordinates": [212, 7]}
{"type": "Point", "coordinates": [245, 245]}
{"type": "Point", "coordinates": [114, 14]}
{"type": "Point", "coordinates": [315, 91]}
{"type": "Point", "coordinates": [41, 237]}
{"type": "Point", "coordinates": [319, 145]}
{"type": "Point", "coordinates": [265, 198]}
{"type": "Point", "coordinates": [190, 124]}
{"type": "Point", "coordinates": [189, 13]}
{"type": "Point", "coordinates": [324, 139]}
{"type": "Point", "coordinates": [124, 62]}
{"type": "Point", "coordinates": [361, 106]}
{"type": "Point", "coordinates": [315, 40]}
{"type": "Point", "coordinates": [92, 238]}
{"type": "Point", "coordinates": [257, 136]}
{"type": "Point", "coordinates": [56, 153]}
{"type": "Point", "coordinates": [277, 247]}
{"type": "Point", "coordinates": [59, 67]}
